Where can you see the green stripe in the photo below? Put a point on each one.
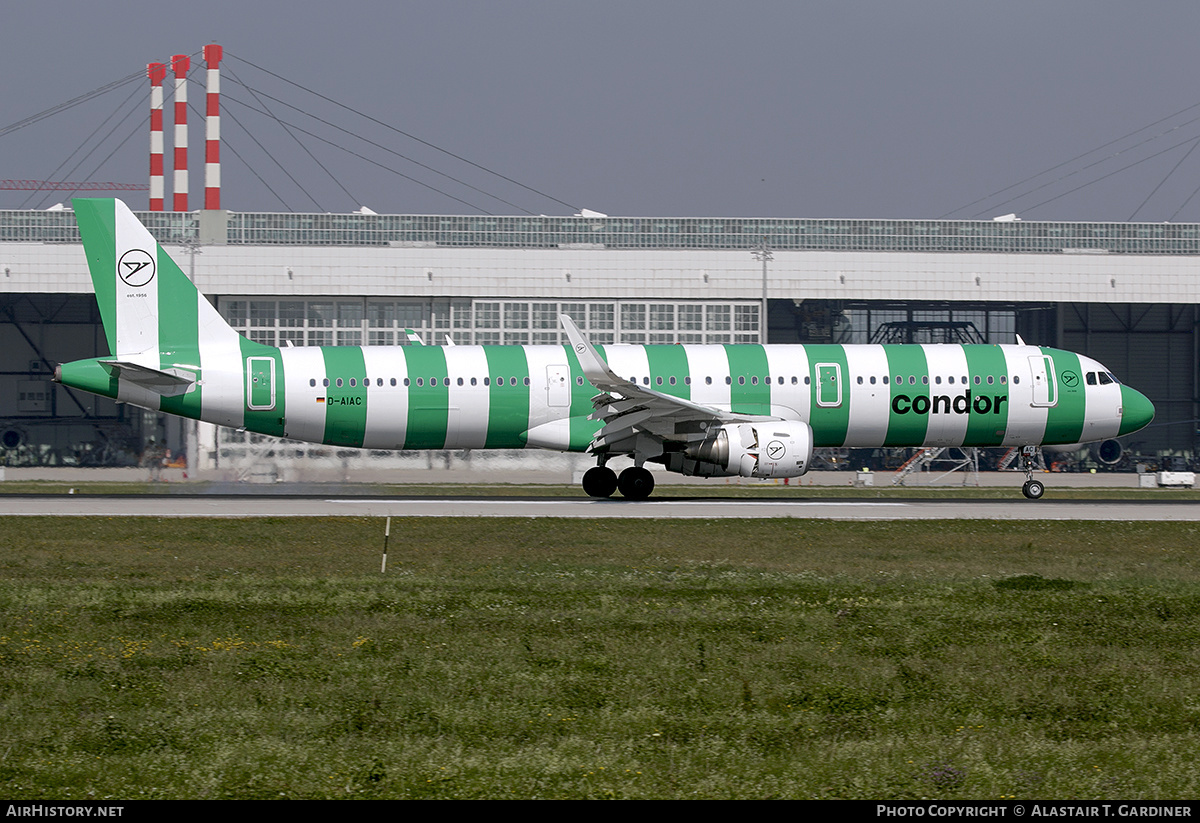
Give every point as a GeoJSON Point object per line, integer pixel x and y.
{"type": "Point", "coordinates": [508, 416]}
{"type": "Point", "coordinates": [988, 420]}
{"type": "Point", "coordinates": [345, 405]}
{"type": "Point", "coordinates": [1130, 401]}
{"type": "Point", "coordinates": [671, 361]}
{"type": "Point", "coordinates": [90, 376]}
{"type": "Point", "coordinates": [750, 387]}
{"type": "Point", "coordinates": [829, 423]}
{"type": "Point", "coordinates": [98, 228]}
{"type": "Point", "coordinates": [178, 335]}
{"type": "Point", "coordinates": [1064, 424]}
{"type": "Point", "coordinates": [428, 403]}
{"type": "Point", "coordinates": [582, 429]}
{"type": "Point", "coordinates": [909, 425]}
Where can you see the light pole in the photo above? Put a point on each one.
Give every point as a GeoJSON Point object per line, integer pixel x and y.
{"type": "Point", "coordinates": [762, 252]}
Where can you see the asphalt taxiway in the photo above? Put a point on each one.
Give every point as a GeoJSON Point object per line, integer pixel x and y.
{"type": "Point", "coordinates": [577, 506]}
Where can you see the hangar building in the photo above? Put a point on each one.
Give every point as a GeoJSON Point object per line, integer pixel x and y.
{"type": "Point", "coordinates": [1127, 294]}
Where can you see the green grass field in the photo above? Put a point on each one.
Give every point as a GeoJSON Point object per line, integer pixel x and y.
{"type": "Point", "coordinates": [518, 658]}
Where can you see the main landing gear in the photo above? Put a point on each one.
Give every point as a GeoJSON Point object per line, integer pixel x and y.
{"type": "Point", "coordinates": [634, 483]}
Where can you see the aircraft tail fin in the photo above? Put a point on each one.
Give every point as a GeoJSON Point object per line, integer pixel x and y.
{"type": "Point", "coordinates": [147, 304]}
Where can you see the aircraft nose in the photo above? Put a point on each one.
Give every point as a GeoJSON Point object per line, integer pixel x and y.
{"type": "Point", "coordinates": [1136, 410]}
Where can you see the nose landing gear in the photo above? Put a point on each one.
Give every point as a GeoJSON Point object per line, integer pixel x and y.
{"type": "Point", "coordinates": [1033, 489]}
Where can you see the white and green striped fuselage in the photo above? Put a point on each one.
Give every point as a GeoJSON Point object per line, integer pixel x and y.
{"type": "Point", "coordinates": [753, 410]}
{"type": "Point", "coordinates": [476, 397]}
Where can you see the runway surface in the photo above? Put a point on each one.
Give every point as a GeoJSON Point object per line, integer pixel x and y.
{"type": "Point", "coordinates": [466, 505]}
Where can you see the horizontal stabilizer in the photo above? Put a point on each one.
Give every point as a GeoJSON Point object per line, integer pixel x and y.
{"type": "Point", "coordinates": [167, 383]}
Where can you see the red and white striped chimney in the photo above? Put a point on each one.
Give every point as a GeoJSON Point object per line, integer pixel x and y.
{"type": "Point", "coordinates": [180, 63]}
{"type": "Point", "coordinates": [157, 72]}
{"type": "Point", "coordinates": [212, 129]}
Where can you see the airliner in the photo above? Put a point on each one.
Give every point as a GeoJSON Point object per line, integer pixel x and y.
{"type": "Point", "coordinates": [753, 411]}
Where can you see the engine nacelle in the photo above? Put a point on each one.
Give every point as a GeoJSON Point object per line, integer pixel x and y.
{"type": "Point", "coordinates": [1108, 452]}
{"type": "Point", "coordinates": [773, 448]}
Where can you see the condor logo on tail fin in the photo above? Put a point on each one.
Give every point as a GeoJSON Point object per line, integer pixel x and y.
{"type": "Point", "coordinates": [147, 304]}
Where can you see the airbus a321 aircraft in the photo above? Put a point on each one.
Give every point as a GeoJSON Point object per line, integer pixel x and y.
{"type": "Point", "coordinates": [707, 411]}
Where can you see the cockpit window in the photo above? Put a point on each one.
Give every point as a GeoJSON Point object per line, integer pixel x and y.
{"type": "Point", "coordinates": [1105, 378]}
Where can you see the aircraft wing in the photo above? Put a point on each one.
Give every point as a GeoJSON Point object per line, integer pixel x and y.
{"type": "Point", "coordinates": [638, 418]}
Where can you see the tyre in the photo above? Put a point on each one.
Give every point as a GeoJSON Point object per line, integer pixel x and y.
{"type": "Point", "coordinates": [599, 481]}
{"type": "Point", "coordinates": [636, 483]}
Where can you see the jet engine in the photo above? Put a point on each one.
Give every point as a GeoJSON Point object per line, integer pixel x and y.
{"type": "Point", "coordinates": [1105, 452]}
{"type": "Point", "coordinates": [1108, 452]}
{"type": "Point", "coordinates": [773, 448]}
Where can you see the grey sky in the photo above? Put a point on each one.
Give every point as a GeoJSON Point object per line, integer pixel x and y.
{"type": "Point", "coordinates": [755, 108]}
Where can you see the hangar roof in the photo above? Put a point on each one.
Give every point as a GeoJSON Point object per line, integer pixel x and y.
{"type": "Point", "coordinates": [588, 232]}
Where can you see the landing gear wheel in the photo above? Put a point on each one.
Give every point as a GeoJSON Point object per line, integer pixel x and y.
{"type": "Point", "coordinates": [636, 483]}
{"type": "Point", "coordinates": [599, 481]}
{"type": "Point", "coordinates": [1033, 489]}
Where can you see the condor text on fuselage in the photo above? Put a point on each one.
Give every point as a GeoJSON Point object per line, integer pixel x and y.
{"type": "Point", "coordinates": [945, 404]}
